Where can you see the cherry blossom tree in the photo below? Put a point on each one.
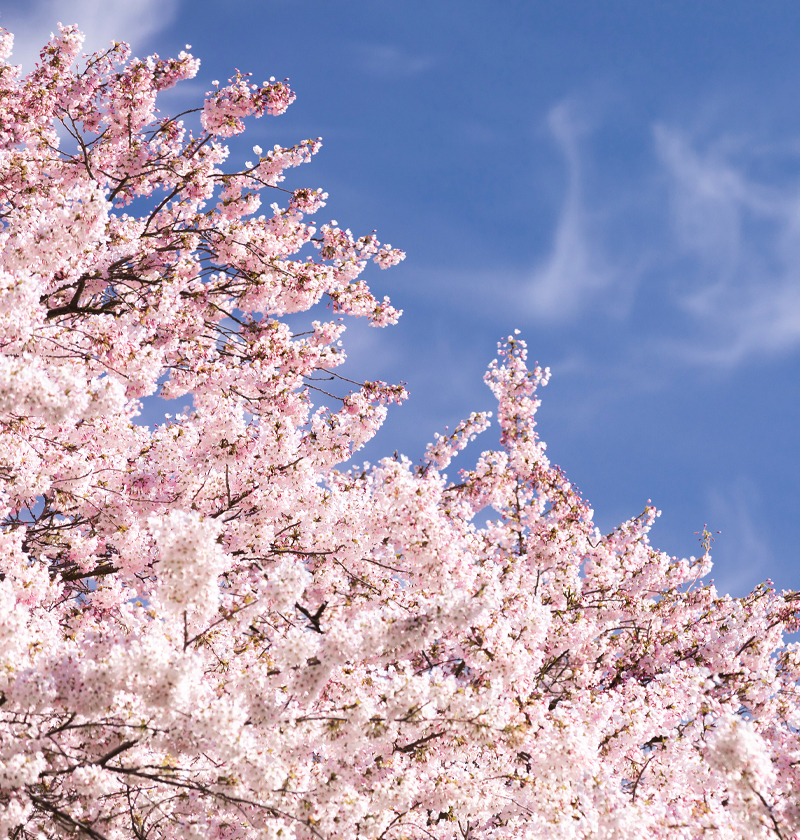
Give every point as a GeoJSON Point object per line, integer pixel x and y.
{"type": "Point", "coordinates": [216, 628]}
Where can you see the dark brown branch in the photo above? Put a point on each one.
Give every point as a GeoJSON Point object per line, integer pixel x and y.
{"type": "Point", "coordinates": [775, 827]}
{"type": "Point", "coordinates": [407, 748]}
{"type": "Point", "coordinates": [65, 819]}
{"type": "Point", "coordinates": [746, 645]}
{"type": "Point", "coordinates": [126, 745]}
{"type": "Point", "coordinates": [99, 571]}
{"type": "Point", "coordinates": [315, 618]}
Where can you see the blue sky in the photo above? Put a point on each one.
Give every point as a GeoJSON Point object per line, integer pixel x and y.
{"type": "Point", "coordinates": [618, 180]}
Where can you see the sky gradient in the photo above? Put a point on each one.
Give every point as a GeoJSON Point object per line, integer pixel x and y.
{"type": "Point", "coordinates": [620, 181]}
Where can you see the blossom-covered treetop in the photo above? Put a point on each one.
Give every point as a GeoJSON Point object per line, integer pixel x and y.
{"type": "Point", "coordinates": [217, 628]}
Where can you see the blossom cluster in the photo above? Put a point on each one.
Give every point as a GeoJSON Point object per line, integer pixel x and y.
{"type": "Point", "coordinates": [220, 628]}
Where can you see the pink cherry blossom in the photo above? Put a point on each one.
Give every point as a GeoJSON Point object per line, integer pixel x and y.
{"type": "Point", "coordinates": [221, 627]}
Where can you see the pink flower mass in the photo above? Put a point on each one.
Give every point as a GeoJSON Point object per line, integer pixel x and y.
{"type": "Point", "coordinates": [218, 629]}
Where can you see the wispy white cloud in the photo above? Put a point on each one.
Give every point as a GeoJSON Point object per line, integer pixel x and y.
{"type": "Point", "coordinates": [736, 285]}
{"type": "Point", "coordinates": [576, 270]}
{"type": "Point", "coordinates": [102, 21]}
{"type": "Point", "coordinates": [742, 238]}
{"type": "Point", "coordinates": [742, 552]}
{"type": "Point", "coordinates": [392, 62]}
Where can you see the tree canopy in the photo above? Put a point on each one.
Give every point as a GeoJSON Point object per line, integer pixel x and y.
{"type": "Point", "coordinates": [219, 628]}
